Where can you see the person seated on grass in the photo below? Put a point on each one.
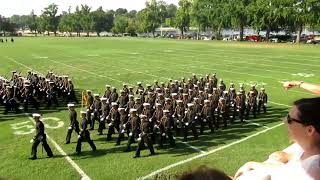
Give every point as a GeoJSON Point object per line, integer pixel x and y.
{"type": "Point", "coordinates": [314, 88]}
{"type": "Point", "coordinates": [303, 124]}
{"type": "Point", "coordinates": [204, 173]}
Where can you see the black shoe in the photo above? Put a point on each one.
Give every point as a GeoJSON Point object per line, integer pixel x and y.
{"type": "Point", "coordinates": [68, 142]}
{"type": "Point", "coordinates": [127, 150]}
{"type": "Point", "coordinates": [78, 153]}
{"type": "Point", "coordinates": [152, 154]}
{"type": "Point", "coordinates": [136, 156]}
{"type": "Point", "coordinates": [33, 158]}
{"type": "Point", "coordinates": [117, 144]}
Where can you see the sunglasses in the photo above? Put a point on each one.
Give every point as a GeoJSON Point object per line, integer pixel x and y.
{"type": "Point", "coordinates": [290, 120]}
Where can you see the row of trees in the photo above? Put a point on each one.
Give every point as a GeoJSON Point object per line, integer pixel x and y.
{"type": "Point", "coordinates": [214, 15]}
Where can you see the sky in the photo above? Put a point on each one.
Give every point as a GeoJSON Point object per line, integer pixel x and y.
{"type": "Point", "coordinates": [24, 7]}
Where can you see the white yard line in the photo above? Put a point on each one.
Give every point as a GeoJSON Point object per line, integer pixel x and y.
{"type": "Point", "coordinates": [192, 147]}
{"type": "Point", "coordinates": [92, 73]}
{"type": "Point", "coordinates": [207, 153]}
{"type": "Point", "coordinates": [83, 175]}
{"type": "Point", "coordinates": [285, 105]}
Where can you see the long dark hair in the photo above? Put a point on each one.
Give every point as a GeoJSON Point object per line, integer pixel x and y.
{"type": "Point", "coordinates": [309, 111]}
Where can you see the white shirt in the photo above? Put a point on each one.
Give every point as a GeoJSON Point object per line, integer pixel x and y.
{"type": "Point", "coordinates": [295, 169]}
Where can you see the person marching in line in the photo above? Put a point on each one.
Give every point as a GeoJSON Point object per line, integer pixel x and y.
{"type": "Point", "coordinates": [134, 126]}
{"type": "Point", "coordinates": [40, 137]}
{"type": "Point", "coordinates": [145, 136]}
{"type": "Point", "coordinates": [74, 124]}
{"type": "Point", "coordinates": [263, 100]}
{"type": "Point", "coordinates": [84, 134]}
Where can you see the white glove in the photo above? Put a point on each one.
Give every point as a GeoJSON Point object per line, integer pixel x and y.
{"type": "Point", "coordinates": [31, 141]}
{"type": "Point", "coordinates": [187, 124]}
{"type": "Point", "coordinates": [139, 139]}
{"type": "Point", "coordinates": [69, 127]}
{"type": "Point", "coordinates": [79, 136]}
{"type": "Point", "coordinates": [124, 126]}
{"type": "Point", "coordinates": [150, 120]}
{"type": "Point", "coordinates": [196, 117]}
{"type": "Point", "coordinates": [130, 134]}
{"type": "Point", "coordinates": [178, 121]}
{"type": "Point", "coordinates": [163, 134]}
{"type": "Point", "coordinates": [204, 120]}
{"type": "Point", "coordinates": [122, 131]}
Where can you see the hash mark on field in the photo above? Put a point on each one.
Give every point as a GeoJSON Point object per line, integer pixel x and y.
{"type": "Point", "coordinates": [83, 175]}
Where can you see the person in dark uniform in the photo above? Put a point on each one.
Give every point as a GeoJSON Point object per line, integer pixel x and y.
{"type": "Point", "coordinates": [206, 117]}
{"type": "Point", "coordinates": [134, 128]}
{"type": "Point", "coordinates": [40, 137]}
{"type": "Point", "coordinates": [113, 121]}
{"type": "Point", "coordinates": [74, 124]}
{"type": "Point", "coordinates": [190, 122]}
{"type": "Point", "coordinates": [84, 134]}
{"type": "Point", "coordinates": [251, 104]}
{"type": "Point", "coordinates": [123, 125]}
{"type": "Point", "coordinates": [90, 105]}
{"type": "Point", "coordinates": [96, 110]}
{"type": "Point", "coordinates": [240, 104]}
{"type": "Point", "coordinates": [145, 136]}
{"type": "Point", "coordinates": [263, 100]}
{"type": "Point", "coordinates": [165, 128]}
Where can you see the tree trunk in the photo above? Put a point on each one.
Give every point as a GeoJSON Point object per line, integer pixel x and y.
{"type": "Point", "coordinates": [241, 32]}
{"type": "Point", "coordinates": [98, 34]}
{"type": "Point", "coordinates": [299, 34]}
{"type": "Point", "coordinates": [55, 33]}
{"type": "Point", "coordinates": [268, 33]}
{"type": "Point", "coordinates": [48, 33]}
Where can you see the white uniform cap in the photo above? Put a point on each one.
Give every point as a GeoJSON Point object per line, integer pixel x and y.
{"type": "Point", "coordinates": [130, 95]}
{"type": "Point", "coordinates": [89, 91]}
{"type": "Point", "coordinates": [166, 111]}
{"type": "Point", "coordinates": [137, 98]}
{"type": "Point", "coordinates": [206, 101]}
{"type": "Point", "coordinates": [142, 116]}
{"type": "Point", "coordinates": [225, 92]}
{"type": "Point", "coordinates": [251, 92]}
{"type": "Point", "coordinates": [190, 104]}
{"type": "Point", "coordinates": [114, 104]}
{"type": "Point", "coordinates": [139, 83]}
{"type": "Point", "coordinates": [133, 110]}
{"type": "Point", "coordinates": [158, 104]}
{"type": "Point", "coordinates": [70, 105]}
{"type": "Point", "coordinates": [148, 85]}
{"type": "Point", "coordinates": [214, 89]}
{"type": "Point", "coordinates": [232, 89]}
{"type": "Point", "coordinates": [167, 99]}
{"type": "Point", "coordinates": [104, 99]}
{"type": "Point", "coordinates": [195, 98]}
{"type": "Point", "coordinates": [36, 115]}
{"type": "Point", "coordinates": [120, 109]}
{"type": "Point", "coordinates": [174, 94]}
{"type": "Point", "coordinates": [179, 101]}
{"type": "Point", "coordinates": [96, 95]}
{"type": "Point", "coordinates": [262, 89]}
{"type": "Point", "coordinates": [160, 94]}
{"type": "Point", "coordinates": [83, 112]}
{"type": "Point", "coordinates": [146, 104]}
{"type": "Point", "coordinates": [157, 89]}
{"type": "Point", "coordinates": [108, 86]}
{"type": "Point", "coordinates": [221, 99]}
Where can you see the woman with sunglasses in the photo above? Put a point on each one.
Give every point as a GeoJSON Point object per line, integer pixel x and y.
{"type": "Point", "coordinates": [303, 124]}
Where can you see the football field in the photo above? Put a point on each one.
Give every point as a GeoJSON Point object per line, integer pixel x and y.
{"type": "Point", "coordinates": [92, 63]}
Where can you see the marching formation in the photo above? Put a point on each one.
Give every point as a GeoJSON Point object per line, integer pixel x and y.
{"type": "Point", "coordinates": [159, 112]}
{"type": "Point", "coordinates": [147, 115]}
{"type": "Point", "coordinates": [19, 92]}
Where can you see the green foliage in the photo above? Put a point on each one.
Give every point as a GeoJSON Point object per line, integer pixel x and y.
{"type": "Point", "coordinates": [183, 15]}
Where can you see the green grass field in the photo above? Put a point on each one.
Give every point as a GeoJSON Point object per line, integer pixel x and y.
{"type": "Point", "coordinates": [94, 62]}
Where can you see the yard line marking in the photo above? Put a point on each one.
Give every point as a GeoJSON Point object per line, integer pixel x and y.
{"type": "Point", "coordinates": [83, 175]}
{"type": "Point", "coordinates": [256, 124]}
{"type": "Point", "coordinates": [192, 147]}
{"type": "Point", "coordinates": [13, 60]}
{"type": "Point", "coordinates": [102, 76]}
{"type": "Point", "coordinates": [285, 105]}
{"type": "Point", "coordinates": [208, 153]}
